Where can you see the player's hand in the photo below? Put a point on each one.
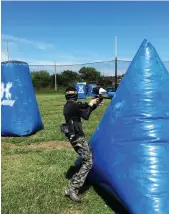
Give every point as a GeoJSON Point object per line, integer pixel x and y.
{"type": "Point", "coordinates": [95, 101]}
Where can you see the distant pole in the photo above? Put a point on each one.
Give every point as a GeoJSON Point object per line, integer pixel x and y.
{"type": "Point", "coordinates": [7, 50]}
{"type": "Point", "coordinates": [55, 77]}
{"type": "Point", "coordinates": [115, 61]}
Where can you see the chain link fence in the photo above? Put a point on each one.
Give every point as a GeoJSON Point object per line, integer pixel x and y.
{"type": "Point", "coordinates": [106, 69]}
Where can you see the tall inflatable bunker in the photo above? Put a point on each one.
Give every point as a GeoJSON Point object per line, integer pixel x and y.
{"type": "Point", "coordinates": [81, 88]}
{"type": "Point", "coordinates": [90, 89]}
{"type": "Point", "coordinates": [20, 115]}
{"type": "Point", "coordinates": [131, 143]}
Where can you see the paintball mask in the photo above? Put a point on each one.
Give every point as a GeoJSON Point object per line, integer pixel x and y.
{"type": "Point", "coordinates": [71, 94]}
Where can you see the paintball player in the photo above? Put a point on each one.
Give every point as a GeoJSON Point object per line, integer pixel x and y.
{"type": "Point", "coordinates": [73, 130]}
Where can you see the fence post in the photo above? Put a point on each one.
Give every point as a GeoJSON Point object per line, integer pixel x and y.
{"type": "Point", "coordinates": [115, 61]}
{"type": "Point", "coordinates": [7, 50]}
{"type": "Point", "coordinates": [55, 78]}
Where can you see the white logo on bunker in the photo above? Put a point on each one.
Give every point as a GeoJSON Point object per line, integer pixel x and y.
{"type": "Point", "coordinates": [81, 89]}
{"type": "Point", "coordinates": [5, 93]}
{"type": "Point", "coordinates": [6, 90]}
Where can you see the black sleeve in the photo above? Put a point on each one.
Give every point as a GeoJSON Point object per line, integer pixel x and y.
{"type": "Point", "coordinates": [85, 113]}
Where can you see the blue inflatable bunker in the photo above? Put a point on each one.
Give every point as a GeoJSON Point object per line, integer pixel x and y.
{"type": "Point", "coordinates": [81, 88]}
{"type": "Point", "coordinates": [20, 115]}
{"type": "Point", "coordinates": [110, 94]}
{"type": "Point", "coordinates": [131, 143]}
{"type": "Point", "coordinates": [90, 88]}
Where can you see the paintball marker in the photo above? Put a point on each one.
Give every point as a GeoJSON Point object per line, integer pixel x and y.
{"type": "Point", "coordinates": [97, 91]}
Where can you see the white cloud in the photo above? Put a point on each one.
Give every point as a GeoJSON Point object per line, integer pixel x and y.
{"type": "Point", "coordinates": [4, 56]}
{"type": "Point", "coordinates": [36, 65]}
{"type": "Point", "coordinates": [38, 45]}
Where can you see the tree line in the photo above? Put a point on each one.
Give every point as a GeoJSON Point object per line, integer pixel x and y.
{"type": "Point", "coordinates": [42, 79]}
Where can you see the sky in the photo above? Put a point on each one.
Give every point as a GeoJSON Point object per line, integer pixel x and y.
{"type": "Point", "coordinates": [79, 32]}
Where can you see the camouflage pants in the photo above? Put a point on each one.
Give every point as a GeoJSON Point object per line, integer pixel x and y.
{"type": "Point", "coordinates": [81, 146]}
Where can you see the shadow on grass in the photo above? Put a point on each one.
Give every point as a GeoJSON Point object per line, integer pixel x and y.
{"type": "Point", "coordinates": [110, 200]}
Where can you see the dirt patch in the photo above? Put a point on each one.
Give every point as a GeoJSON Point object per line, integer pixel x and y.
{"type": "Point", "coordinates": [71, 211]}
{"type": "Point", "coordinates": [5, 145]}
{"type": "Point", "coordinates": [12, 156]}
{"type": "Point", "coordinates": [59, 145]}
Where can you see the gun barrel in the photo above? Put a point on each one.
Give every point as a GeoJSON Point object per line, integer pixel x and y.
{"type": "Point", "coordinates": [109, 98]}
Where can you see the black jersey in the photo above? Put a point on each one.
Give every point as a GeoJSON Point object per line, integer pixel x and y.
{"type": "Point", "coordinates": [73, 114]}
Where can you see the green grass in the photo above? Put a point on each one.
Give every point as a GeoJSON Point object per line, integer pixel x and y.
{"type": "Point", "coordinates": [51, 109]}
{"type": "Point", "coordinates": [33, 179]}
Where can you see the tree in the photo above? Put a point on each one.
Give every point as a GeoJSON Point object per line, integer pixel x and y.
{"type": "Point", "coordinates": [40, 79]}
{"type": "Point", "coordinates": [65, 78]}
{"type": "Point", "coordinates": [89, 74]}
{"type": "Point", "coordinates": [69, 77]}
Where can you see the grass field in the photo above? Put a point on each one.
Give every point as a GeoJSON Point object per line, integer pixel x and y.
{"type": "Point", "coordinates": [35, 168]}
{"type": "Point", "coordinates": [51, 109]}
